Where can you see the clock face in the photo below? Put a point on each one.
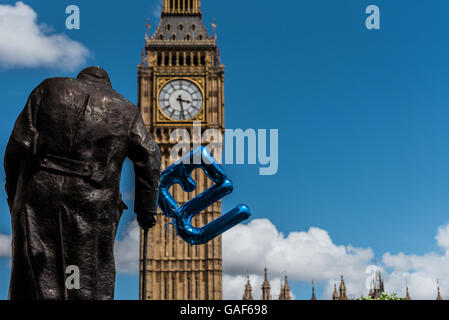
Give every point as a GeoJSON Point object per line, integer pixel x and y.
{"type": "Point", "coordinates": [181, 100]}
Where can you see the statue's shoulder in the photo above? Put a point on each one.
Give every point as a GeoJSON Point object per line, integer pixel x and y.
{"type": "Point", "coordinates": [58, 83]}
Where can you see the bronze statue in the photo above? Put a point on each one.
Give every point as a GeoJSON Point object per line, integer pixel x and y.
{"type": "Point", "coordinates": [63, 165]}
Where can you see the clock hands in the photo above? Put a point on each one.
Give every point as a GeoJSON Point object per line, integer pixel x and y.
{"type": "Point", "coordinates": [180, 100]}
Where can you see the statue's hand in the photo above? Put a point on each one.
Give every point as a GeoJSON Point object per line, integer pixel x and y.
{"type": "Point", "coordinates": [146, 221]}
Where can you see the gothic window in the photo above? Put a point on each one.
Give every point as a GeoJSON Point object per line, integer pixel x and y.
{"type": "Point", "coordinates": [188, 60]}
{"type": "Point", "coordinates": [166, 240]}
{"type": "Point", "coordinates": [173, 59]}
{"type": "Point", "coordinates": [173, 236]}
{"type": "Point", "coordinates": [168, 27]}
{"type": "Point", "coordinates": [200, 37]}
{"type": "Point", "coordinates": [189, 287]}
{"type": "Point", "coordinates": [173, 37]}
{"type": "Point", "coordinates": [165, 284]}
{"type": "Point", "coordinates": [167, 59]}
{"type": "Point", "coordinates": [203, 60]}
{"type": "Point", "coordinates": [181, 27]}
{"type": "Point", "coordinates": [187, 37]}
{"type": "Point", "coordinates": [159, 59]}
{"type": "Point", "coordinates": [161, 37]}
{"type": "Point", "coordinates": [193, 27]}
{"type": "Point", "coordinates": [197, 286]}
{"type": "Point", "coordinates": [195, 60]}
{"type": "Point", "coordinates": [173, 287]}
{"type": "Point", "coordinates": [181, 59]}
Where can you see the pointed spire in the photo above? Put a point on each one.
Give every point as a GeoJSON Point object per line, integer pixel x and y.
{"type": "Point", "coordinates": [285, 290]}
{"type": "Point", "coordinates": [266, 287]}
{"type": "Point", "coordinates": [378, 284]}
{"type": "Point", "coordinates": [343, 295]}
{"type": "Point", "coordinates": [148, 27]}
{"type": "Point", "coordinates": [214, 28]}
{"type": "Point", "coordinates": [248, 295]}
{"type": "Point", "coordinates": [335, 295]}
{"type": "Point", "coordinates": [281, 294]}
{"type": "Point", "coordinates": [439, 297]}
{"type": "Point", "coordinates": [407, 294]}
{"type": "Point", "coordinates": [313, 291]}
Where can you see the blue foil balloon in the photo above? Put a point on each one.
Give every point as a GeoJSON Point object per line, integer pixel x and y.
{"type": "Point", "coordinates": [180, 173]}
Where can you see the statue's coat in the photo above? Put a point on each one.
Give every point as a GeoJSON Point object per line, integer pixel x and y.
{"type": "Point", "coordinates": [63, 165]}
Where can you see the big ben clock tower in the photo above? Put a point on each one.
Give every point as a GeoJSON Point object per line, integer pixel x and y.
{"type": "Point", "coordinates": [181, 81]}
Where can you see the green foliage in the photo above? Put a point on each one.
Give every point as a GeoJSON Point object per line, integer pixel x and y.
{"type": "Point", "coordinates": [384, 296]}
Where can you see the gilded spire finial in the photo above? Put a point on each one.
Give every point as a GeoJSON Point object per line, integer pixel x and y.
{"type": "Point", "coordinates": [214, 28]}
{"type": "Point", "coordinates": [148, 27]}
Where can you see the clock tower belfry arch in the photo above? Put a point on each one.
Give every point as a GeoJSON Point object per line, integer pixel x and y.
{"type": "Point", "coordinates": [181, 81]}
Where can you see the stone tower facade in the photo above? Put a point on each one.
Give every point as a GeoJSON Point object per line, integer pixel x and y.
{"type": "Point", "coordinates": [181, 81]}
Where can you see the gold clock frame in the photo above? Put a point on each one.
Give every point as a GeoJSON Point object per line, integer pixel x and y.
{"type": "Point", "coordinates": [162, 81]}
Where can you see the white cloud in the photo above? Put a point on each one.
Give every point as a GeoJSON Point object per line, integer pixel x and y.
{"type": "Point", "coordinates": [5, 246]}
{"type": "Point", "coordinates": [442, 237]}
{"type": "Point", "coordinates": [306, 256]}
{"type": "Point", "coordinates": [126, 250]}
{"type": "Point", "coordinates": [312, 255]}
{"type": "Point", "coordinates": [421, 272]}
{"type": "Point", "coordinates": [25, 43]}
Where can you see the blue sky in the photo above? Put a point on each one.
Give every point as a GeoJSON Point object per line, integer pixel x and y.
{"type": "Point", "coordinates": [362, 115]}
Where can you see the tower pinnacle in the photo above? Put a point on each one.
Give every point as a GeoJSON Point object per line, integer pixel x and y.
{"type": "Point", "coordinates": [285, 290]}
{"type": "Point", "coordinates": [439, 297]}
{"type": "Point", "coordinates": [335, 295]}
{"type": "Point", "coordinates": [266, 287]}
{"type": "Point", "coordinates": [248, 291]}
{"type": "Point", "coordinates": [343, 295]}
{"type": "Point", "coordinates": [313, 291]}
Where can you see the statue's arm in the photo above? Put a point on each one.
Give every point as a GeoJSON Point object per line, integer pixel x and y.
{"type": "Point", "coordinates": [146, 157]}
{"type": "Point", "coordinates": [22, 143]}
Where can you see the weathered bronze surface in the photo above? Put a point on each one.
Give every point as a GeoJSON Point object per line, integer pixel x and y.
{"type": "Point", "coordinates": [63, 165]}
